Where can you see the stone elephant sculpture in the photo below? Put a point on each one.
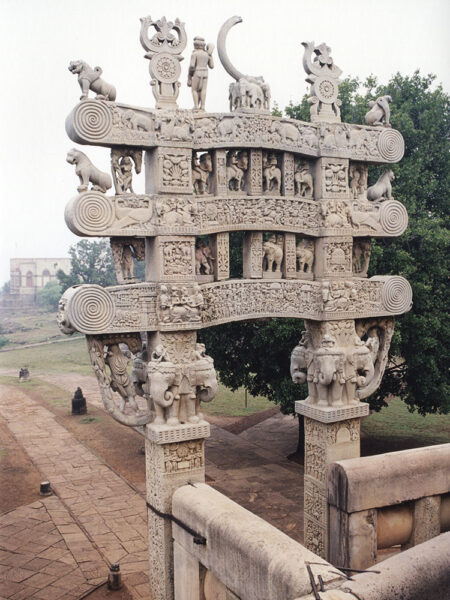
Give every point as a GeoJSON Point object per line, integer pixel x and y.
{"type": "Point", "coordinates": [302, 368]}
{"type": "Point", "coordinates": [252, 95]}
{"type": "Point", "coordinates": [273, 257]}
{"type": "Point", "coordinates": [169, 383]}
{"type": "Point", "coordinates": [359, 371]}
{"type": "Point", "coordinates": [329, 377]}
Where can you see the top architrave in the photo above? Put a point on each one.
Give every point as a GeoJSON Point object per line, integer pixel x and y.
{"type": "Point", "coordinates": [103, 123]}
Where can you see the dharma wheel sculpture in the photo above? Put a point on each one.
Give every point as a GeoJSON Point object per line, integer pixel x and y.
{"type": "Point", "coordinates": [299, 191]}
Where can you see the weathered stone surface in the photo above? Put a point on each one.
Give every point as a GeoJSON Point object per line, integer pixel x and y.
{"type": "Point", "coordinates": [388, 479]}
{"type": "Point", "coordinates": [418, 573]}
{"type": "Point", "coordinates": [249, 556]}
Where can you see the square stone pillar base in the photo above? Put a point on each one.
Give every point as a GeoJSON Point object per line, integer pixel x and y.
{"type": "Point", "coordinates": [174, 457]}
{"type": "Point", "coordinates": [331, 433]}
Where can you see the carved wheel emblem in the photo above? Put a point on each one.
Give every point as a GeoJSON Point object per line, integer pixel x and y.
{"type": "Point", "coordinates": [166, 68]}
{"type": "Point", "coordinates": [326, 89]}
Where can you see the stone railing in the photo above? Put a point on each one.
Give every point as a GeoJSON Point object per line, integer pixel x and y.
{"type": "Point", "coordinates": [224, 552]}
{"type": "Point", "coordinates": [376, 502]}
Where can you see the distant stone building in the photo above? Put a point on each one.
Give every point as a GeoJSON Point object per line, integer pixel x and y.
{"type": "Point", "coordinates": [28, 275]}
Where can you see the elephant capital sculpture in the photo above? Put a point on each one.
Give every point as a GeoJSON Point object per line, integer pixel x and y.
{"type": "Point", "coordinates": [171, 385]}
{"type": "Point", "coordinates": [329, 373]}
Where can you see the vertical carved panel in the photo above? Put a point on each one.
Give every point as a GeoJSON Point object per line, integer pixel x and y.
{"type": "Point", "coordinates": [333, 257]}
{"type": "Point", "coordinates": [331, 178]}
{"type": "Point", "coordinates": [219, 173]}
{"type": "Point", "coordinates": [254, 173]}
{"type": "Point", "coordinates": [253, 254]}
{"type": "Point", "coordinates": [287, 174]}
{"type": "Point", "coordinates": [222, 254]}
{"type": "Point", "coordinates": [290, 271]}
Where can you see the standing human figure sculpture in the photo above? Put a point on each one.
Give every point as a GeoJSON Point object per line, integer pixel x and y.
{"type": "Point", "coordinates": [201, 59]}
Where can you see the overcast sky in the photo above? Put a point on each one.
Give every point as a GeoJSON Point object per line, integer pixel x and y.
{"type": "Point", "coordinates": [38, 39]}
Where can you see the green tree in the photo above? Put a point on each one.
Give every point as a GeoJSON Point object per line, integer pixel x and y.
{"type": "Point", "coordinates": [50, 294]}
{"type": "Point", "coordinates": [91, 262]}
{"type": "Point", "coordinates": [256, 354]}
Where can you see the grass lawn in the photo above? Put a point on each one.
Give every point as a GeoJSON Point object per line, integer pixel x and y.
{"type": "Point", "coordinates": [395, 422]}
{"type": "Point", "coordinates": [29, 326]}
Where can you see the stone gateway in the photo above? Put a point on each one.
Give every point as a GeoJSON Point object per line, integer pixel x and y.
{"type": "Point", "coordinates": [299, 192]}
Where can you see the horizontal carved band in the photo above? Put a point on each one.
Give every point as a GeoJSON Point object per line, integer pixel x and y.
{"type": "Point", "coordinates": [106, 123]}
{"type": "Point", "coordinates": [172, 307]}
{"type": "Point", "coordinates": [95, 214]}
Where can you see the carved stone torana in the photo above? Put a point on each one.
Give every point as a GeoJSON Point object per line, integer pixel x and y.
{"type": "Point", "coordinates": [299, 193]}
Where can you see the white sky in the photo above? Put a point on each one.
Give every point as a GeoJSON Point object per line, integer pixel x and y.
{"type": "Point", "coordinates": [38, 39]}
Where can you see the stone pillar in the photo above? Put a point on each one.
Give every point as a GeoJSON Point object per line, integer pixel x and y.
{"type": "Point", "coordinates": [331, 433]}
{"type": "Point", "coordinates": [287, 174]}
{"type": "Point", "coordinates": [254, 173]}
{"type": "Point", "coordinates": [219, 173]}
{"type": "Point", "coordinates": [174, 457]}
{"type": "Point", "coordinates": [253, 254]}
{"type": "Point", "coordinates": [290, 258]}
{"type": "Point", "coordinates": [222, 255]}
{"type": "Point", "coordinates": [426, 520]}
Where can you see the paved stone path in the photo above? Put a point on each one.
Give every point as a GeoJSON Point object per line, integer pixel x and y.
{"type": "Point", "coordinates": [39, 557]}
{"type": "Point", "coordinates": [107, 510]}
{"type": "Point", "coordinates": [104, 519]}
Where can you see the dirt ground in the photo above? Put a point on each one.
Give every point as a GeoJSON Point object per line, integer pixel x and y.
{"type": "Point", "coordinates": [19, 478]}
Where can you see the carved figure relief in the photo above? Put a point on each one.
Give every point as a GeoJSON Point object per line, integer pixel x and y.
{"type": "Point", "coordinates": [361, 256]}
{"type": "Point", "coordinates": [303, 181]}
{"type": "Point", "coordinates": [122, 166]}
{"type": "Point", "coordinates": [380, 112]}
{"type": "Point", "coordinates": [90, 79]}
{"type": "Point", "coordinates": [382, 190]}
{"type": "Point", "coordinates": [175, 171]}
{"type": "Point", "coordinates": [201, 169]}
{"type": "Point", "coordinates": [177, 257]}
{"type": "Point", "coordinates": [305, 256]}
{"type": "Point", "coordinates": [358, 180]}
{"type": "Point", "coordinates": [337, 257]}
{"type": "Point", "coordinates": [173, 127]}
{"type": "Point", "coordinates": [175, 211]}
{"type": "Point", "coordinates": [124, 252]}
{"type": "Point", "coordinates": [237, 164]}
{"type": "Point", "coordinates": [204, 259]}
{"type": "Point", "coordinates": [273, 256]}
{"type": "Point", "coordinates": [180, 303]}
{"type": "Point", "coordinates": [201, 60]}
{"type": "Point", "coordinates": [271, 174]}
{"type": "Point", "coordinates": [87, 172]}
{"type": "Point", "coordinates": [335, 177]}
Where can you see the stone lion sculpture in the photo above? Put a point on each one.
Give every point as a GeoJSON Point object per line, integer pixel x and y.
{"type": "Point", "coordinates": [88, 173]}
{"type": "Point", "coordinates": [380, 112]}
{"type": "Point", "coordinates": [90, 79]}
{"type": "Point", "coordinates": [382, 189]}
